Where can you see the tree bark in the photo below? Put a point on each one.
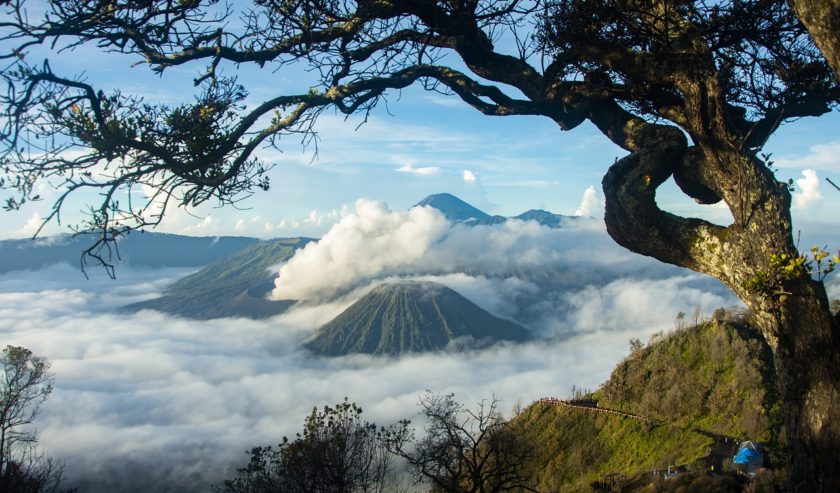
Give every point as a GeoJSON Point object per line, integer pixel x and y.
{"type": "Point", "coordinates": [822, 19]}
{"type": "Point", "coordinates": [807, 360]}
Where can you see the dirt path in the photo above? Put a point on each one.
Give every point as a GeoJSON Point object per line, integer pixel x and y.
{"type": "Point", "coordinates": [589, 405]}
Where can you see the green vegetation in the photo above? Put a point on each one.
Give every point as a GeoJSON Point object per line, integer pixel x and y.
{"type": "Point", "coordinates": [337, 452]}
{"type": "Point", "coordinates": [704, 387]}
{"type": "Point", "coordinates": [234, 286]}
{"type": "Point", "coordinates": [410, 316]}
{"type": "Point", "coordinates": [717, 376]}
{"type": "Point", "coordinates": [25, 383]}
{"type": "Point", "coordinates": [461, 450]}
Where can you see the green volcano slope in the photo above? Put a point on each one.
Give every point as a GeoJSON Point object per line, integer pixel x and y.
{"type": "Point", "coordinates": [704, 388]}
{"type": "Point", "coordinates": [410, 317]}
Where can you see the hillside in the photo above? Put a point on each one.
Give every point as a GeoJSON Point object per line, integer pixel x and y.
{"type": "Point", "coordinates": [704, 388]}
{"type": "Point", "coordinates": [234, 286]}
{"type": "Point", "coordinates": [410, 317]}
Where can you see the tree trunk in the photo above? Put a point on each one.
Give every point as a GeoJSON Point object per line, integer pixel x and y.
{"type": "Point", "coordinates": [807, 360]}
{"type": "Point", "coordinates": [789, 308]}
{"type": "Point", "coordinates": [822, 19]}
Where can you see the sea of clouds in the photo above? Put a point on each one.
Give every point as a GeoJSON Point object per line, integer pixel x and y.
{"type": "Point", "coordinates": [556, 281]}
{"type": "Point", "coordinates": [148, 402]}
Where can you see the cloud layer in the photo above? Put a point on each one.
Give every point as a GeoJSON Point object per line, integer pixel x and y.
{"type": "Point", "coordinates": [151, 403]}
{"type": "Point", "coordinates": [147, 402]}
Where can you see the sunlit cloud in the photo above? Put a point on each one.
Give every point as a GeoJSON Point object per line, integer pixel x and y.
{"type": "Point", "coordinates": [31, 227]}
{"type": "Point", "coordinates": [807, 191]}
{"type": "Point", "coordinates": [591, 204]}
{"type": "Point", "coordinates": [518, 269]}
{"type": "Point", "coordinates": [206, 225]}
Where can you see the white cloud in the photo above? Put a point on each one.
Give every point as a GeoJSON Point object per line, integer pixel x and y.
{"type": "Point", "coordinates": [824, 157]}
{"type": "Point", "coordinates": [388, 239]}
{"type": "Point", "coordinates": [637, 303]}
{"type": "Point", "coordinates": [207, 225]}
{"type": "Point", "coordinates": [156, 200]}
{"type": "Point", "coordinates": [423, 170]}
{"type": "Point", "coordinates": [469, 176]}
{"type": "Point", "coordinates": [312, 224]}
{"type": "Point", "coordinates": [591, 204]}
{"type": "Point", "coordinates": [31, 227]}
{"type": "Point", "coordinates": [807, 192]}
{"type": "Point", "coordinates": [241, 225]}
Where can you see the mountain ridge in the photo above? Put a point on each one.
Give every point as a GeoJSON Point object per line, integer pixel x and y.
{"type": "Point", "coordinates": [138, 249]}
{"type": "Point", "coordinates": [458, 211]}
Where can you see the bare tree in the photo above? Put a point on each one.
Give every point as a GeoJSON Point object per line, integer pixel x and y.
{"type": "Point", "coordinates": [691, 89]}
{"type": "Point", "coordinates": [464, 450]}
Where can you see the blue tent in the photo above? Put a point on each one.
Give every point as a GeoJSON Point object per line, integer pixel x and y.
{"type": "Point", "coordinates": [749, 457]}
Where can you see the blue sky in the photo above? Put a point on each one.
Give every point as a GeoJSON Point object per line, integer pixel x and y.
{"type": "Point", "coordinates": [424, 143]}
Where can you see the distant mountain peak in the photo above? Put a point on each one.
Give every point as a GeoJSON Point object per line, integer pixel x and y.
{"type": "Point", "coordinates": [454, 208]}
{"type": "Point", "coordinates": [410, 317]}
{"type": "Point", "coordinates": [458, 211]}
{"type": "Point", "coordinates": [543, 217]}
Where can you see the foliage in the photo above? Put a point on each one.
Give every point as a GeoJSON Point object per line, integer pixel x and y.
{"type": "Point", "coordinates": [26, 384]}
{"type": "Point", "coordinates": [336, 453]}
{"type": "Point", "coordinates": [822, 262]}
{"type": "Point", "coordinates": [464, 450]}
{"type": "Point", "coordinates": [771, 481]}
{"type": "Point", "coordinates": [784, 268]}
